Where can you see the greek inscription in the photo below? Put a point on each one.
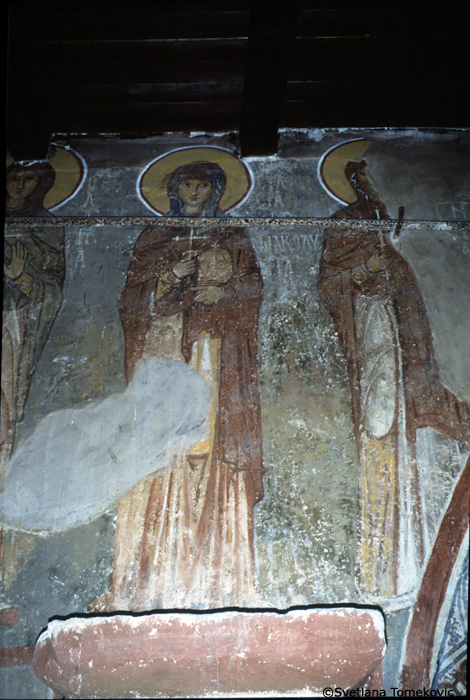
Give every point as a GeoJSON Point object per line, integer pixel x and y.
{"type": "Point", "coordinates": [306, 243]}
{"type": "Point", "coordinates": [458, 210]}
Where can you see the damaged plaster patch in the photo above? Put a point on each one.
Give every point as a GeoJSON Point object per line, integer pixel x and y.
{"type": "Point", "coordinates": [79, 462]}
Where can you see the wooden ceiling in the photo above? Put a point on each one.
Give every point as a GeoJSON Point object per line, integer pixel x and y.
{"type": "Point", "coordinates": [249, 67]}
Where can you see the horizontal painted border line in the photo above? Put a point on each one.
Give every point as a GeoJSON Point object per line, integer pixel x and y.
{"type": "Point", "coordinates": [235, 222]}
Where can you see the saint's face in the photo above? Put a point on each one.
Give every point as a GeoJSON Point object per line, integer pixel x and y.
{"type": "Point", "coordinates": [193, 194]}
{"type": "Point", "coordinates": [19, 185]}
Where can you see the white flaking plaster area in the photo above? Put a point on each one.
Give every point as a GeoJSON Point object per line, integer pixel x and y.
{"type": "Point", "coordinates": [79, 462]}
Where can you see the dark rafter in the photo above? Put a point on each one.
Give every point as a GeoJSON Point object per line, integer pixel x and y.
{"type": "Point", "coordinates": [270, 43]}
{"type": "Point", "coordinates": [233, 66]}
{"type": "Point", "coordinates": [28, 134]}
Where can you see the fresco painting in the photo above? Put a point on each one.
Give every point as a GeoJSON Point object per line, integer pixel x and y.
{"type": "Point", "coordinates": [450, 653]}
{"type": "Point", "coordinates": [185, 538]}
{"type": "Point", "coordinates": [34, 272]}
{"type": "Point", "coordinates": [114, 445]}
{"type": "Point", "coordinates": [272, 424]}
{"type": "Point", "coordinates": [375, 301]}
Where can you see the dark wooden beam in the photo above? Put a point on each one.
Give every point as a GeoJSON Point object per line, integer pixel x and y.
{"type": "Point", "coordinates": [27, 133]}
{"type": "Point", "coordinates": [135, 117]}
{"type": "Point", "coordinates": [380, 19]}
{"type": "Point", "coordinates": [79, 67]}
{"type": "Point", "coordinates": [402, 101]}
{"type": "Point", "coordinates": [69, 21]}
{"type": "Point", "coordinates": [270, 41]}
{"type": "Point", "coordinates": [28, 138]}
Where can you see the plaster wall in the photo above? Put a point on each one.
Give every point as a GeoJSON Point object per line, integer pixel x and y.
{"type": "Point", "coordinates": [306, 544]}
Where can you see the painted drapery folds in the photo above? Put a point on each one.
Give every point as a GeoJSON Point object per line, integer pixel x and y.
{"type": "Point", "coordinates": [201, 412]}
{"type": "Point", "coordinates": [381, 321]}
{"type": "Point", "coordinates": [33, 279]}
{"type": "Point", "coordinates": [185, 538]}
{"type": "Point", "coordinates": [34, 272]}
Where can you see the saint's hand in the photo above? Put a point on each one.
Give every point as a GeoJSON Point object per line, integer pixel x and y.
{"type": "Point", "coordinates": [360, 273]}
{"type": "Point", "coordinates": [208, 294]}
{"type": "Point", "coordinates": [15, 267]}
{"type": "Point", "coordinates": [376, 263]}
{"type": "Point", "coordinates": [186, 267]}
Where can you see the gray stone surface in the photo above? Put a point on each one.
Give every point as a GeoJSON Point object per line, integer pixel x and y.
{"type": "Point", "coordinates": [20, 683]}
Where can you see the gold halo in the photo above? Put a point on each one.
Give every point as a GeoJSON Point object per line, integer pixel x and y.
{"type": "Point", "coordinates": [332, 167]}
{"type": "Point", "coordinates": [69, 169]}
{"type": "Point", "coordinates": [69, 174]}
{"type": "Point", "coordinates": [153, 181]}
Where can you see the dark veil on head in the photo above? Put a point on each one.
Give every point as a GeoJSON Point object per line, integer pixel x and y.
{"type": "Point", "coordinates": [367, 196]}
{"type": "Point", "coordinates": [34, 202]}
{"type": "Point", "coordinates": [198, 170]}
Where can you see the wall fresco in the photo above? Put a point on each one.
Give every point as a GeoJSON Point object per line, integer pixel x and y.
{"type": "Point", "coordinates": [313, 416]}
{"type": "Point", "coordinates": [380, 317]}
{"type": "Point", "coordinates": [186, 538]}
{"type": "Point", "coordinates": [34, 271]}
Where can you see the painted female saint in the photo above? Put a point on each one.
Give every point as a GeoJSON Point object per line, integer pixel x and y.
{"type": "Point", "coordinates": [185, 537]}
{"type": "Point", "coordinates": [374, 299]}
{"type": "Point", "coordinates": [34, 271]}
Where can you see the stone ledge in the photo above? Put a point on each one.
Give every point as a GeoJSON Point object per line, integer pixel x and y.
{"type": "Point", "coordinates": [191, 654]}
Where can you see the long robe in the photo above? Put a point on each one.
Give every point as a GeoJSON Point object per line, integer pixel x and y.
{"type": "Point", "coordinates": [30, 305]}
{"type": "Point", "coordinates": [383, 329]}
{"type": "Point", "coordinates": [184, 537]}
